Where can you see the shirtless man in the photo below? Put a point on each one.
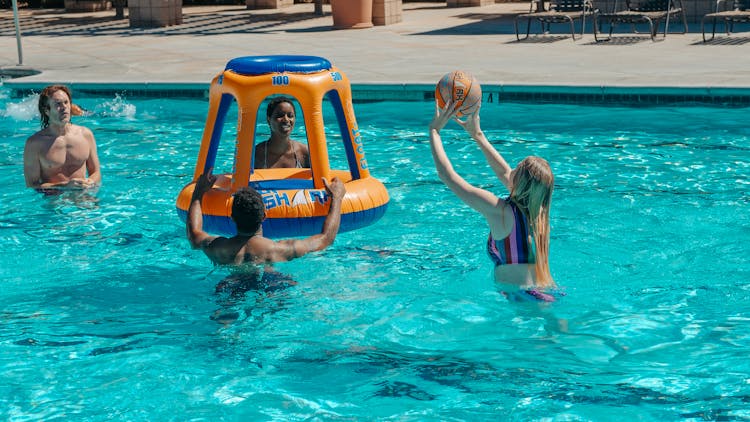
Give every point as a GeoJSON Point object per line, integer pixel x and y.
{"type": "Point", "coordinates": [249, 246]}
{"type": "Point", "coordinates": [60, 155]}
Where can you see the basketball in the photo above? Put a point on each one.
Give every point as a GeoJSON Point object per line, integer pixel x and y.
{"type": "Point", "coordinates": [463, 88]}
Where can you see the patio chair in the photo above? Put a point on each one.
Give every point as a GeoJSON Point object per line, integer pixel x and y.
{"type": "Point", "coordinates": [651, 12]}
{"type": "Point", "coordinates": [559, 11]}
{"type": "Point", "coordinates": [739, 13]}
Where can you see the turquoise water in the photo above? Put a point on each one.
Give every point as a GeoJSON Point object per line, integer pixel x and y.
{"type": "Point", "coordinates": [107, 314]}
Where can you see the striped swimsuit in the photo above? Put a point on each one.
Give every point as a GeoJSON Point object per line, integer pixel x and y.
{"type": "Point", "coordinates": [518, 247]}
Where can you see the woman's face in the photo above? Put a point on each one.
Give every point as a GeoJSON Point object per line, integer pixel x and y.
{"type": "Point", "coordinates": [282, 119]}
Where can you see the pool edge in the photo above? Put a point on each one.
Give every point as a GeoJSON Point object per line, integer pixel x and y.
{"type": "Point", "coordinates": [579, 94]}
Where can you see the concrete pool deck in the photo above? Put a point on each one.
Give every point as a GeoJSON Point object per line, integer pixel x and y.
{"type": "Point", "coordinates": [93, 48]}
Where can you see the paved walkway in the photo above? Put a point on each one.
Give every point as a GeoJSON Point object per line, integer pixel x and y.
{"type": "Point", "coordinates": [431, 40]}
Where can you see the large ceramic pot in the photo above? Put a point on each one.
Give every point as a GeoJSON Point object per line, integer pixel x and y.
{"type": "Point", "coordinates": [351, 14]}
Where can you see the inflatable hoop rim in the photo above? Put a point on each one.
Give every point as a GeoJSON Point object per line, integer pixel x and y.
{"type": "Point", "coordinates": [261, 65]}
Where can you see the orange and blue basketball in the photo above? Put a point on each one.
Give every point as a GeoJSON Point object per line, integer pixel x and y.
{"type": "Point", "coordinates": [463, 88]}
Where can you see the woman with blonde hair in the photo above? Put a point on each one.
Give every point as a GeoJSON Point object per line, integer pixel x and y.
{"type": "Point", "coordinates": [518, 243]}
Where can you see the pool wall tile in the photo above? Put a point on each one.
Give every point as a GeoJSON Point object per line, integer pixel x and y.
{"type": "Point", "coordinates": [492, 94]}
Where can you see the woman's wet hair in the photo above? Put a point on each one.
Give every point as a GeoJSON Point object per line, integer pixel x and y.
{"type": "Point", "coordinates": [248, 210]}
{"type": "Point", "coordinates": [533, 183]}
{"type": "Point", "coordinates": [275, 101]}
{"type": "Point", "coordinates": [44, 97]}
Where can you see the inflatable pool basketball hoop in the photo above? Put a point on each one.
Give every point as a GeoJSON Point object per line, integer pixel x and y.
{"type": "Point", "coordinates": [295, 198]}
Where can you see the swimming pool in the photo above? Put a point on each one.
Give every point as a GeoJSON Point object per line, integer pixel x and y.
{"type": "Point", "coordinates": [107, 313]}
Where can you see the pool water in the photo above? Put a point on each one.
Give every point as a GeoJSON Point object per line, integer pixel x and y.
{"type": "Point", "coordinates": [106, 313]}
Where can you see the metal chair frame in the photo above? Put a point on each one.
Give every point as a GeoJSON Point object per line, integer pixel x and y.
{"type": "Point", "coordinates": [559, 11]}
{"type": "Point", "coordinates": [651, 12]}
{"type": "Point", "coordinates": [739, 13]}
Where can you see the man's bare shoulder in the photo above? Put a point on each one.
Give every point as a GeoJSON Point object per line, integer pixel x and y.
{"type": "Point", "coordinates": [260, 249]}
{"type": "Point", "coordinates": [39, 140]}
{"type": "Point", "coordinates": [257, 245]}
{"type": "Point", "coordinates": [79, 130]}
{"type": "Point", "coordinates": [38, 137]}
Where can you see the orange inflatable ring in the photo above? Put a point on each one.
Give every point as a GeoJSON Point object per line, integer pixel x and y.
{"type": "Point", "coordinates": [296, 200]}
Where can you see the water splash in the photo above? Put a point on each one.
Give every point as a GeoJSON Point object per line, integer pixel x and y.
{"type": "Point", "coordinates": [116, 107]}
{"type": "Point", "coordinates": [24, 110]}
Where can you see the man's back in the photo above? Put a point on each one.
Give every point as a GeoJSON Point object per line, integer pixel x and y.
{"type": "Point", "coordinates": [249, 245]}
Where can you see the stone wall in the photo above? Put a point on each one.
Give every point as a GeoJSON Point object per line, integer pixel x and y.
{"type": "Point", "coordinates": [387, 12]}
{"type": "Point", "coordinates": [268, 4]}
{"type": "Point", "coordinates": [77, 6]}
{"type": "Point", "coordinates": [154, 13]}
{"type": "Point", "coordinates": [469, 3]}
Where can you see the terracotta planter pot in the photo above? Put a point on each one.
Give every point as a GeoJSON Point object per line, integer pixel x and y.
{"type": "Point", "coordinates": [351, 14]}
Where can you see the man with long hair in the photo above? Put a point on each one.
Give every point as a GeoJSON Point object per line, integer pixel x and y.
{"type": "Point", "coordinates": [61, 155]}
